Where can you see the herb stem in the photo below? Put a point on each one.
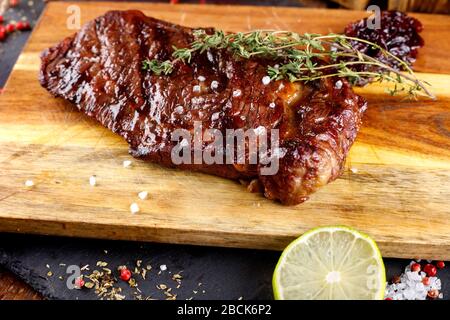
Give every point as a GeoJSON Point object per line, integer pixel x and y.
{"type": "Point", "coordinates": [301, 57]}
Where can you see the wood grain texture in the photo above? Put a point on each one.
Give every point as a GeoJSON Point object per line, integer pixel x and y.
{"type": "Point", "coordinates": [399, 195]}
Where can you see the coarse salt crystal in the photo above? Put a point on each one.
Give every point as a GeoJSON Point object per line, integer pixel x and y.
{"type": "Point", "coordinates": [354, 170]}
{"type": "Point", "coordinates": [143, 195]}
{"type": "Point", "coordinates": [134, 208]}
{"type": "Point", "coordinates": [178, 109]}
{"type": "Point", "coordinates": [126, 163]}
{"type": "Point", "coordinates": [338, 84]}
{"type": "Point", "coordinates": [272, 105]}
{"type": "Point", "coordinates": [215, 116]}
{"type": "Point", "coordinates": [214, 84]}
{"type": "Point", "coordinates": [210, 56]}
{"type": "Point", "coordinates": [92, 180]}
{"type": "Point", "coordinates": [201, 78]}
{"type": "Point", "coordinates": [237, 93]}
{"type": "Point", "coordinates": [29, 183]}
{"type": "Point", "coordinates": [411, 286]}
{"type": "Point", "coordinates": [163, 267]}
{"type": "Point", "coordinates": [259, 130]}
{"type": "Point", "coordinates": [266, 80]}
{"type": "Point", "coordinates": [196, 88]}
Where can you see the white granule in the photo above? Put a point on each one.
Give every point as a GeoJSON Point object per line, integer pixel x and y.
{"type": "Point", "coordinates": [134, 208]}
{"type": "Point", "coordinates": [196, 88]}
{"type": "Point", "coordinates": [215, 116]}
{"type": "Point", "coordinates": [92, 180]}
{"type": "Point", "coordinates": [279, 152]}
{"type": "Point", "coordinates": [126, 163]}
{"type": "Point", "coordinates": [338, 84]}
{"type": "Point", "coordinates": [163, 267]}
{"type": "Point", "coordinates": [354, 170]}
{"type": "Point", "coordinates": [237, 93]}
{"type": "Point", "coordinates": [143, 195]}
{"type": "Point", "coordinates": [272, 105]}
{"type": "Point", "coordinates": [266, 80]}
{"type": "Point", "coordinates": [178, 109]}
{"type": "Point", "coordinates": [201, 78]}
{"type": "Point", "coordinates": [29, 183]}
{"type": "Point", "coordinates": [214, 84]}
{"type": "Point", "coordinates": [411, 286]}
{"type": "Point", "coordinates": [259, 130]}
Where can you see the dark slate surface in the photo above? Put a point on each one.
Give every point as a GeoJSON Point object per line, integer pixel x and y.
{"type": "Point", "coordinates": [223, 273]}
{"type": "Point", "coordinates": [10, 49]}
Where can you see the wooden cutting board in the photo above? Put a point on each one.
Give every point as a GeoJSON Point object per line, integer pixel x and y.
{"type": "Point", "coordinates": [400, 194]}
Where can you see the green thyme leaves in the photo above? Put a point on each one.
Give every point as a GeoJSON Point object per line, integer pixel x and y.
{"type": "Point", "coordinates": [157, 67]}
{"type": "Point", "coordinates": [300, 57]}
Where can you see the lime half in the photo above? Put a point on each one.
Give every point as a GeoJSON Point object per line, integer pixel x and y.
{"type": "Point", "coordinates": [330, 263]}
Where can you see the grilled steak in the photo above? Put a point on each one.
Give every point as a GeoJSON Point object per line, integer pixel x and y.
{"type": "Point", "coordinates": [99, 69]}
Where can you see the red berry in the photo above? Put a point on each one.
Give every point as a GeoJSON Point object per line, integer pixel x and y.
{"type": "Point", "coordinates": [426, 281]}
{"type": "Point", "coordinates": [440, 264]}
{"type": "Point", "coordinates": [22, 25]}
{"type": "Point", "coordinates": [396, 279]}
{"type": "Point", "coordinates": [125, 274]}
{"type": "Point", "coordinates": [14, 3]}
{"type": "Point", "coordinates": [79, 283]}
{"type": "Point", "coordinates": [433, 294]}
{"type": "Point", "coordinates": [415, 267]}
{"type": "Point", "coordinates": [1, 19]}
{"type": "Point", "coordinates": [388, 299]}
{"type": "Point", "coordinates": [2, 34]}
{"type": "Point", "coordinates": [10, 28]}
{"type": "Point", "coordinates": [430, 270]}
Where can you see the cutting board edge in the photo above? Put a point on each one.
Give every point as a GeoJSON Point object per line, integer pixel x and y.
{"type": "Point", "coordinates": [388, 248]}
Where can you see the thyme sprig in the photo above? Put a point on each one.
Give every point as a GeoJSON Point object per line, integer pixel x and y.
{"type": "Point", "coordinates": [300, 57]}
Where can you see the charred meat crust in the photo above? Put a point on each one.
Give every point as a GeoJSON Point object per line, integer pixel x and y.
{"type": "Point", "coordinates": [99, 69]}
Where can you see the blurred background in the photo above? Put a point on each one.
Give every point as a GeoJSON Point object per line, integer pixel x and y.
{"type": "Point", "coordinates": [429, 6]}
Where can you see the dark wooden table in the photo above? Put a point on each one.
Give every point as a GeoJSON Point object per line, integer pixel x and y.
{"type": "Point", "coordinates": [12, 288]}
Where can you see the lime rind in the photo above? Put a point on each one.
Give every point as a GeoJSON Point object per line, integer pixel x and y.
{"type": "Point", "coordinates": [278, 292]}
